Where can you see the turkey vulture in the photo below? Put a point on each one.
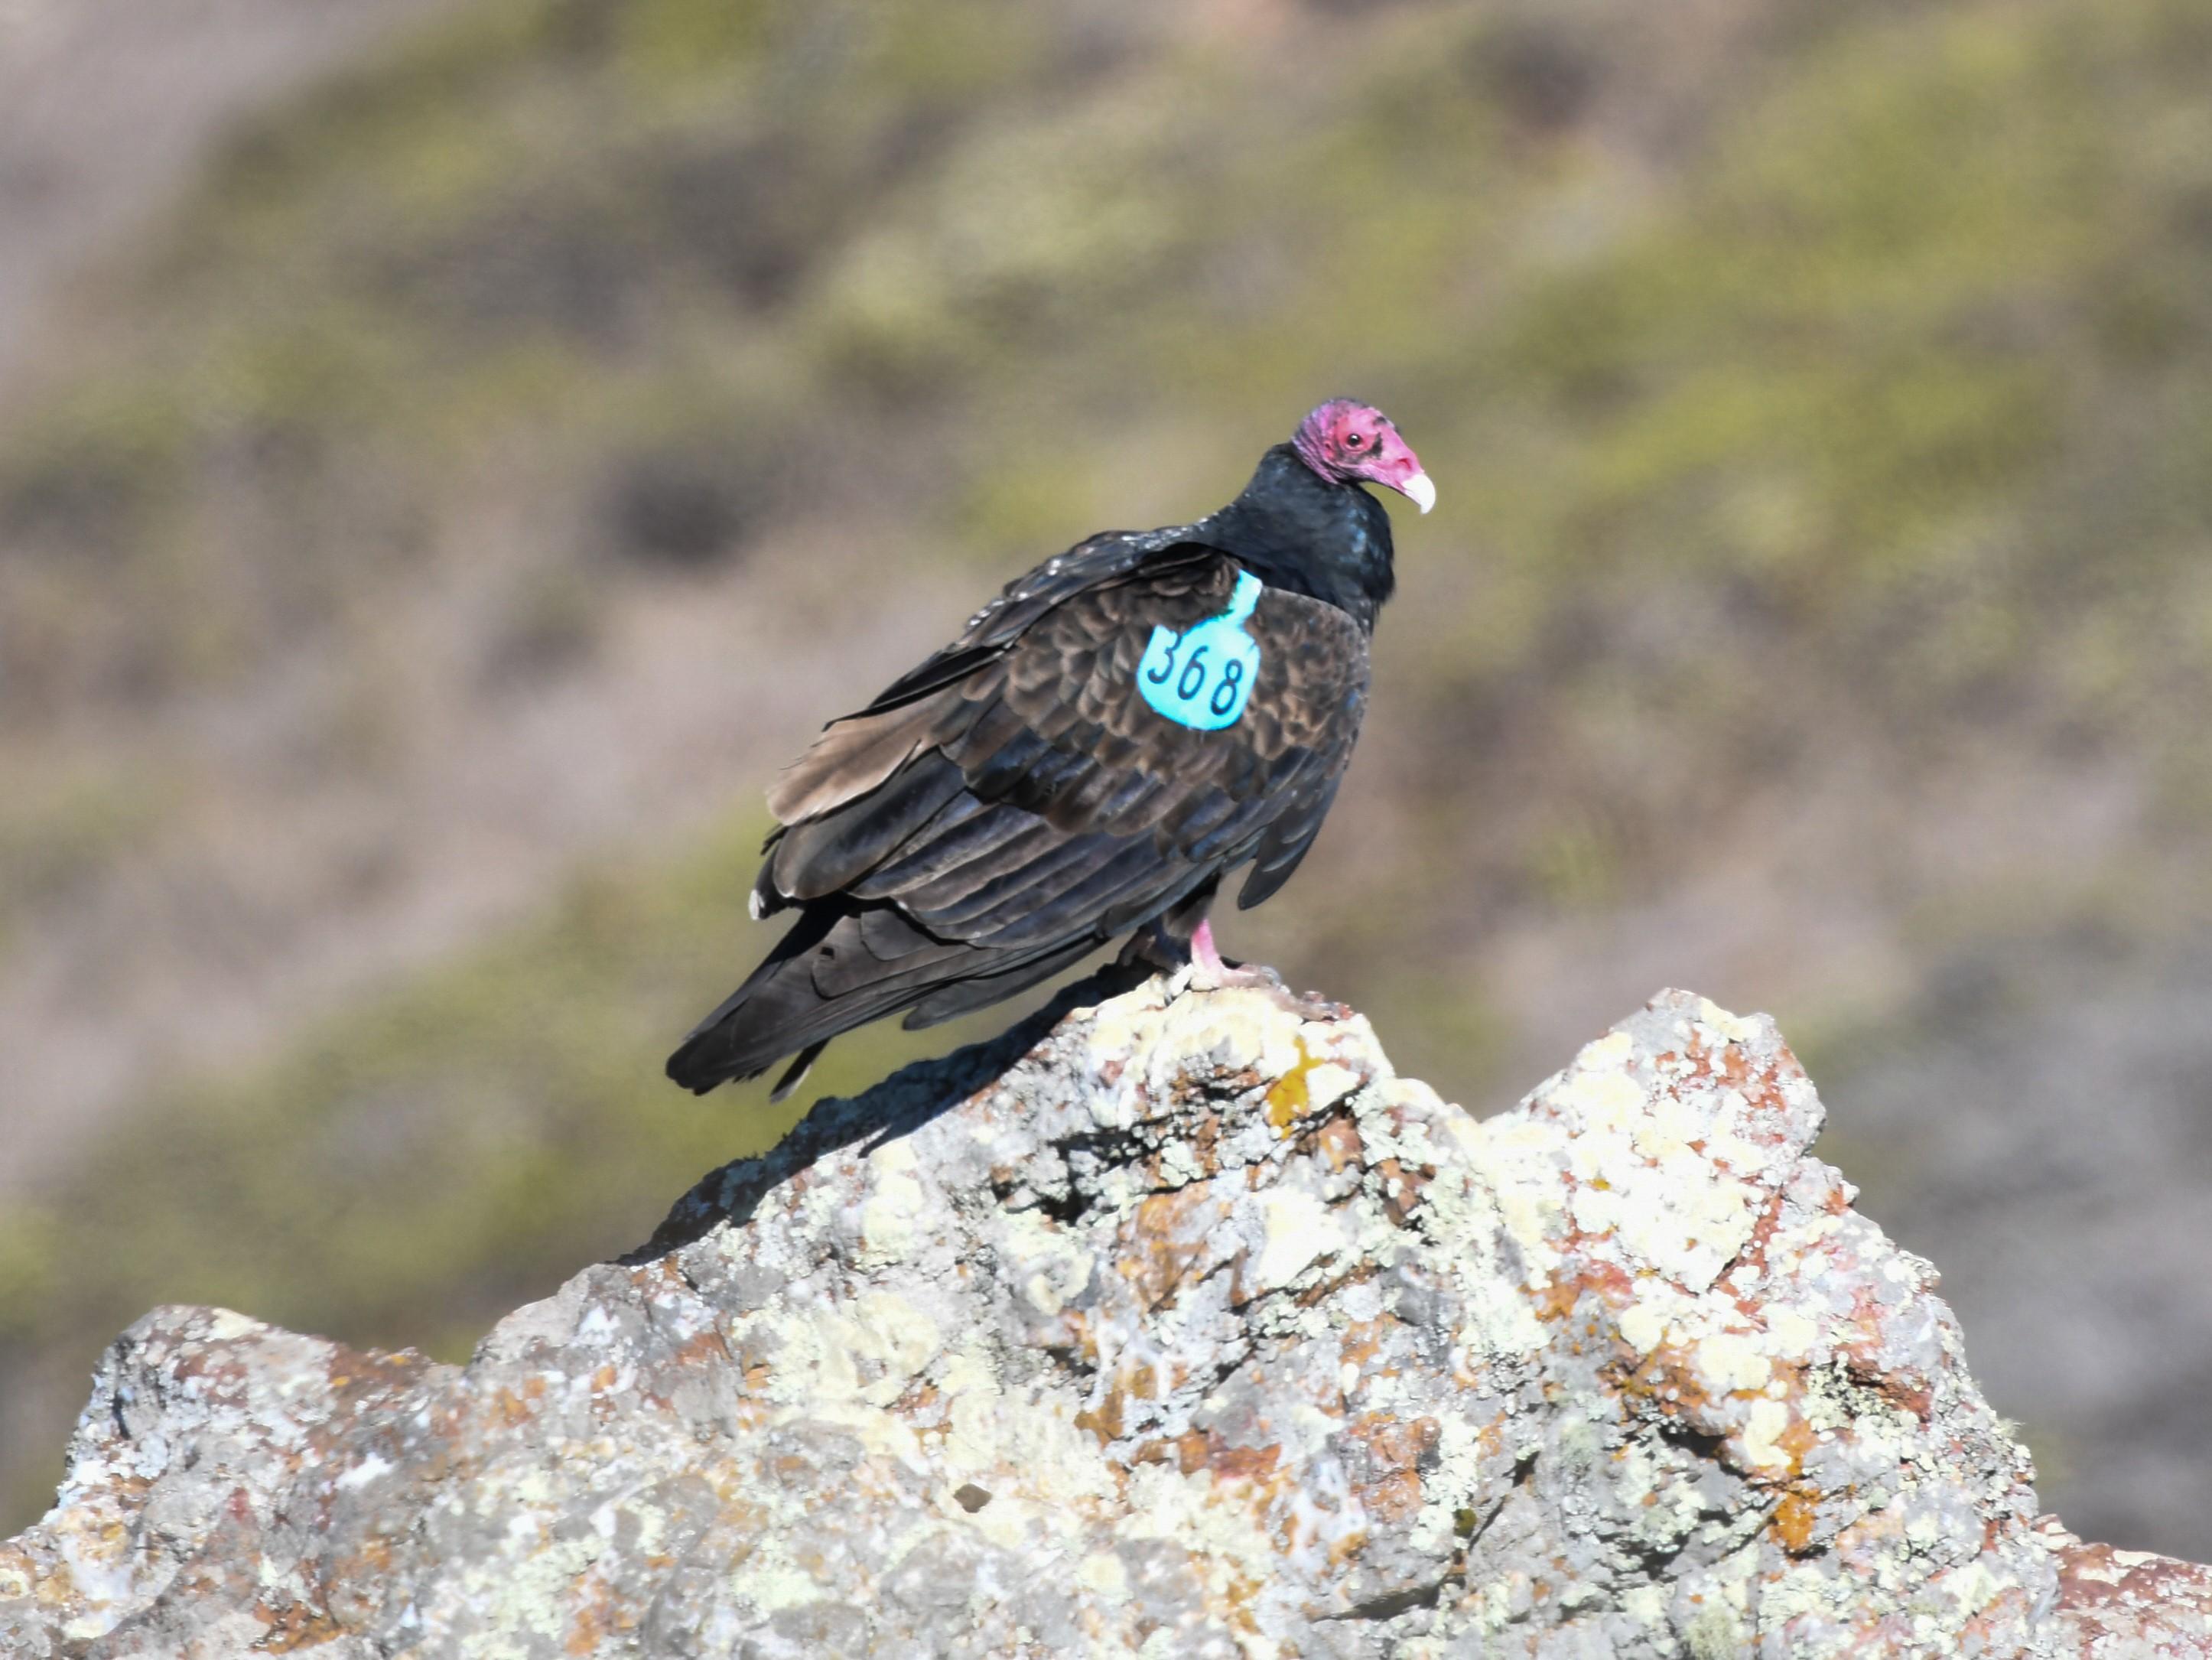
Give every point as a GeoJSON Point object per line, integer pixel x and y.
{"type": "Point", "coordinates": [1105, 741]}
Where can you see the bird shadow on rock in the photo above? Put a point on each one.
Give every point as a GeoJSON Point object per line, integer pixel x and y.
{"type": "Point", "coordinates": [899, 1106]}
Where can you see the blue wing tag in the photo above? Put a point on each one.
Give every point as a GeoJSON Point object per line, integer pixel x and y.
{"type": "Point", "coordinates": [1203, 677]}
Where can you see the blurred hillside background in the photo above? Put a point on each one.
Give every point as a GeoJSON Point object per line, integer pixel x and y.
{"type": "Point", "coordinates": [450, 456]}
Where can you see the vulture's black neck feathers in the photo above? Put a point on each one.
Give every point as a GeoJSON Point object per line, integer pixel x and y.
{"type": "Point", "coordinates": [1294, 529]}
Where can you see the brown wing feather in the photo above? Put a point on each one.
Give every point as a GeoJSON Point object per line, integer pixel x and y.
{"type": "Point", "coordinates": [851, 757]}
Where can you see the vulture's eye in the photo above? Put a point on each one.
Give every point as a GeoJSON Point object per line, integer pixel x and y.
{"type": "Point", "coordinates": [1354, 441]}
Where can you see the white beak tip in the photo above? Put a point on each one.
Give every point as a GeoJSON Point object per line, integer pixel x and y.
{"type": "Point", "coordinates": [1419, 491]}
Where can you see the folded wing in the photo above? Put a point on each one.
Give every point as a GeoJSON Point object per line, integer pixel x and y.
{"type": "Point", "coordinates": [1016, 802]}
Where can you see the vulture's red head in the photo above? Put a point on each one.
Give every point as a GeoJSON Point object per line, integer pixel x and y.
{"type": "Point", "coordinates": [1349, 442]}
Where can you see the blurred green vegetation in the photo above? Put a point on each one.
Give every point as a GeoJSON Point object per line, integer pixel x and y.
{"type": "Point", "coordinates": [1856, 402]}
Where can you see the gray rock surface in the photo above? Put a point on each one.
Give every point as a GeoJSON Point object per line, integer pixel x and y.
{"type": "Point", "coordinates": [1191, 1330]}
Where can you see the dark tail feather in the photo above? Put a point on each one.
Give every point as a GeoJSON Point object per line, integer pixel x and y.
{"type": "Point", "coordinates": [833, 972]}
{"type": "Point", "coordinates": [795, 1074]}
{"type": "Point", "coordinates": [710, 1054]}
{"type": "Point", "coordinates": [777, 1011]}
{"type": "Point", "coordinates": [965, 996]}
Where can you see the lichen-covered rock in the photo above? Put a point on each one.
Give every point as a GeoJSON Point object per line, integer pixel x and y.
{"type": "Point", "coordinates": [1192, 1331]}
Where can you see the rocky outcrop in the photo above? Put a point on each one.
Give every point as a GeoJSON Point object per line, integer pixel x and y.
{"type": "Point", "coordinates": [1186, 1329]}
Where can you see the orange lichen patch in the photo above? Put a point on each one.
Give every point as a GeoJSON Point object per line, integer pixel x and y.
{"type": "Point", "coordinates": [1664, 1378]}
{"type": "Point", "coordinates": [1795, 1518]}
{"type": "Point", "coordinates": [293, 1626]}
{"type": "Point", "coordinates": [1391, 1491]}
{"type": "Point", "coordinates": [1556, 1299]}
{"type": "Point", "coordinates": [1735, 1064]}
{"type": "Point", "coordinates": [1289, 1099]}
{"type": "Point", "coordinates": [919, 1400]}
{"type": "Point", "coordinates": [788, 1470]}
{"type": "Point", "coordinates": [600, 1619]}
{"type": "Point", "coordinates": [1203, 1144]}
{"type": "Point", "coordinates": [1366, 1269]}
{"type": "Point", "coordinates": [1348, 1549]}
{"type": "Point", "coordinates": [1165, 1242]}
{"type": "Point", "coordinates": [1363, 1338]}
{"type": "Point", "coordinates": [365, 1566]}
{"type": "Point", "coordinates": [1242, 1463]}
{"type": "Point", "coordinates": [1083, 1336]}
{"type": "Point", "coordinates": [1104, 1420]}
{"type": "Point", "coordinates": [1186, 1452]}
{"type": "Point", "coordinates": [1110, 1419]}
{"type": "Point", "coordinates": [1393, 1498]}
{"type": "Point", "coordinates": [1908, 1391]}
{"type": "Point", "coordinates": [1562, 1292]}
{"type": "Point", "coordinates": [1667, 1382]}
{"type": "Point", "coordinates": [1866, 1317]}
{"type": "Point", "coordinates": [1193, 1451]}
{"type": "Point", "coordinates": [510, 1408]}
{"type": "Point", "coordinates": [703, 1350]}
{"type": "Point", "coordinates": [1402, 1188]}
{"type": "Point", "coordinates": [1799, 1439]}
{"type": "Point", "coordinates": [1338, 1141]}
